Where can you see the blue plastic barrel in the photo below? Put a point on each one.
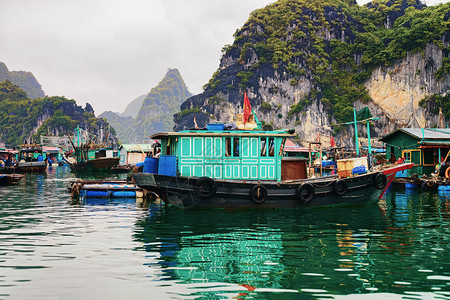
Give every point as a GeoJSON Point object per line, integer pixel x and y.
{"type": "Point", "coordinates": [411, 186]}
{"type": "Point", "coordinates": [151, 165]}
{"type": "Point", "coordinates": [97, 194]}
{"type": "Point", "coordinates": [401, 174]}
{"type": "Point", "coordinates": [167, 165]}
{"type": "Point", "coordinates": [123, 194]}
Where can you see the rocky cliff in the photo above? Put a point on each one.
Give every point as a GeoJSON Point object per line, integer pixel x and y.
{"type": "Point", "coordinates": [25, 80]}
{"type": "Point", "coordinates": [308, 64]}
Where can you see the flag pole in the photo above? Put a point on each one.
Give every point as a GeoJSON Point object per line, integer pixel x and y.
{"type": "Point", "coordinates": [356, 132]}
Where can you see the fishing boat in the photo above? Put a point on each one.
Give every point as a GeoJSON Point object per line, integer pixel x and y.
{"type": "Point", "coordinates": [246, 168]}
{"type": "Point", "coordinates": [92, 158]}
{"type": "Point", "coordinates": [31, 159]}
{"type": "Point", "coordinates": [10, 179]}
{"type": "Point", "coordinates": [89, 157]}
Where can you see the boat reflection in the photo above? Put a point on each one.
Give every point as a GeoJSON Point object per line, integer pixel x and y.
{"type": "Point", "coordinates": [335, 251]}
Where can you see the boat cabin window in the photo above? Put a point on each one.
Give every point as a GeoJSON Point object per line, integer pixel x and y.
{"type": "Point", "coordinates": [227, 146]}
{"type": "Point", "coordinates": [236, 147]}
{"type": "Point", "coordinates": [263, 147]}
{"type": "Point", "coordinates": [232, 147]}
{"type": "Point", "coordinates": [170, 149]}
{"type": "Point", "coordinates": [271, 147]}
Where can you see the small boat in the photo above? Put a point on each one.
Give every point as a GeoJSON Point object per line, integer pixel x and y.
{"type": "Point", "coordinates": [10, 179]}
{"type": "Point", "coordinates": [87, 158]}
{"type": "Point", "coordinates": [239, 168]}
{"type": "Point", "coordinates": [31, 159]}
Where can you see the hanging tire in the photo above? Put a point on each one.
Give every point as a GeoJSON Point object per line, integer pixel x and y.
{"type": "Point", "coordinates": [380, 181]}
{"type": "Point", "coordinates": [305, 192]}
{"type": "Point", "coordinates": [258, 193]}
{"type": "Point", "coordinates": [205, 187]}
{"type": "Point", "coordinates": [340, 187]}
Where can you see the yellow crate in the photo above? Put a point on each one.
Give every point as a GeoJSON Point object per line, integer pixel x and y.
{"type": "Point", "coordinates": [345, 166]}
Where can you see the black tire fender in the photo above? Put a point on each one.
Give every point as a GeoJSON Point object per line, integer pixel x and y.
{"type": "Point", "coordinates": [380, 181]}
{"type": "Point", "coordinates": [340, 187]}
{"type": "Point", "coordinates": [258, 193]}
{"type": "Point", "coordinates": [305, 192]}
{"type": "Point", "coordinates": [206, 187]}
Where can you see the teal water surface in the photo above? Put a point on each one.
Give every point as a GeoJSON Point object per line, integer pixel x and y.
{"type": "Point", "coordinates": [121, 249]}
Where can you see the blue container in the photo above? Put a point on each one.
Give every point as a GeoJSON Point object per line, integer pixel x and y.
{"type": "Point", "coordinates": [167, 165]}
{"type": "Point", "coordinates": [411, 186]}
{"type": "Point", "coordinates": [123, 194]}
{"type": "Point", "coordinates": [441, 188]}
{"type": "Point", "coordinates": [215, 126]}
{"type": "Point", "coordinates": [97, 194]}
{"type": "Point", "coordinates": [359, 169]}
{"type": "Point", "coordinates": [446, 188]}
{"type": "Point", "coordinates": [401, 174]}
{"type": "Point", "coordinates": [151, 165]}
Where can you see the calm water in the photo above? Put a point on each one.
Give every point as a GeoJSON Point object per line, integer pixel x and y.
{"type": "Point", "coordinates": [50, 249]}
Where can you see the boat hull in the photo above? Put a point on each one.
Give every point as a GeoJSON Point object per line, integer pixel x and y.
{"type": "Point", "coordinates": [326, 191]}
{"type": "Point", "coordinates": [10, 179]}
{"type": "Point", "coordinates": [99, 164]}
{"type": "Point", "coordinates": [31, 167]}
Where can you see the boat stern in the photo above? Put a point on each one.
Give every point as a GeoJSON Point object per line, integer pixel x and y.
{"type": "Point", "coordinates": [144, 180]}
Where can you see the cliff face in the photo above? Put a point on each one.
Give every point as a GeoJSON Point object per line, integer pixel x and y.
{"type": "Point", "coordinates": [398, 89]}
{"type": "Point", "coordinates": [25, 80]}
{"type": "Point", "coordinates": [155, 113]}
{"type": "Point", "coordinates": [308, 64]}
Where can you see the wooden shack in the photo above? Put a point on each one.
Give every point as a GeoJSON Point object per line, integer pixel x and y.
{"type": "Point", "coordinates": [425, 147]}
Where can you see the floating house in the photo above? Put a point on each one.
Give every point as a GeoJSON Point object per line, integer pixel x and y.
{"type": "Point", "coordinates": [131, 154]}
{"type": "Point", "coordinates": [425, 147]}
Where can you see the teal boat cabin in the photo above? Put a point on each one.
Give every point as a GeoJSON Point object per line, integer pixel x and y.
{"type": "Point", "coordinates": [231, 155]}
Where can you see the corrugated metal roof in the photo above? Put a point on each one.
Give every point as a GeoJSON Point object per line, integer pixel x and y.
{"type": "Point", "coordinates": [426, 134]}
{"type": "Point", "coordinates": [137, 147]}
{"type": "Point", "coordinates": [429, 133]}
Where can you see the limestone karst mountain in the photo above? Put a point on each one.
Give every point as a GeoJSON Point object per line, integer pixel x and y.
{"type": "Point", "coordinates": [155, 113]}
{"type": "Point", "coordinates": [306, 64]}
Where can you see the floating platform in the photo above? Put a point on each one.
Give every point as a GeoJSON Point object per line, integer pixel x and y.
{"type": "Point", "coordinates": [105, 189]}
{"type": "Point", "coordinates": [430, 183]}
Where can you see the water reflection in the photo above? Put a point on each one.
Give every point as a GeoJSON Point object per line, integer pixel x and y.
{"type": "Point", "coordinates": [49, 248]}
{"type": "Point", "coordinates": [332, 251]}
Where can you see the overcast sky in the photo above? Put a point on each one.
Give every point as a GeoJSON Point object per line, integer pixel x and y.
{"type": "Point", "coordinates": [109, 52]}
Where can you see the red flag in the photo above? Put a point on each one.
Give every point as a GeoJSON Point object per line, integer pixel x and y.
{"type": "Point", "coordinates": [247, 108]}
{"type": "Point", "coordinates": [332, 142]}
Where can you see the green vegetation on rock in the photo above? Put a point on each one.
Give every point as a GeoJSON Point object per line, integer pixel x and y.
{"type": "Point", "coordinates": [155, 113]}
{"type": "Point", "coordinates": [24, 119]}
{"type": "Point", "coordinates": [333, 44]}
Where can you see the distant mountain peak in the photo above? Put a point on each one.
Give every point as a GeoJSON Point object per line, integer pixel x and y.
{"type": "Point", "coordinates": [151, 112]}
{"type": "Point", "coordinates": [24, 79]}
